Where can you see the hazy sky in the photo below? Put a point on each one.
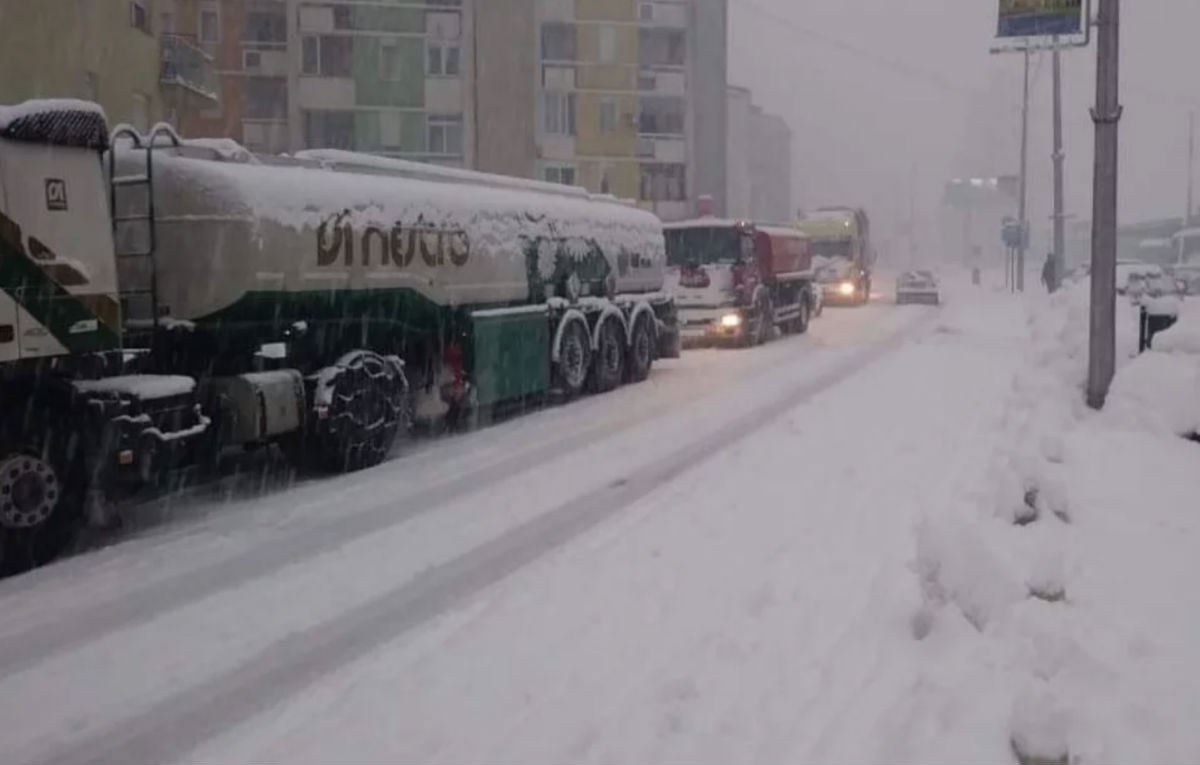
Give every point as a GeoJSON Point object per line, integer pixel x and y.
{"type": "Point", "coordinates": [873, 88]}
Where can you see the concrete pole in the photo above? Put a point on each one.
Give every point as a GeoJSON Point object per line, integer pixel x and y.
{"type": "Point", "coordinates": [1191, 167]}
{"type": "Point", "coordinates": [1059, 261]}
{"type": "Point", "coordinates": [1106, 116]}
{"type": "Point", "coordinates": [1021, 212]}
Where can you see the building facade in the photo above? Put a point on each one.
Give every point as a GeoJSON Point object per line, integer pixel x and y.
{"type": "Point", "coordinates": [758, 176]}
{"type": "Point", "coordinates": [616, 99]}
{"type": "Point", "coordinates": [105, 51]}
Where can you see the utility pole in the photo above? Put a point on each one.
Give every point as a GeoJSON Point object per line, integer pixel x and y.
{"type": "Point", "coordinates": [1191, 167]}
{"type": "Point", "coordinates": [912, 217]}
{"type": "Point", "coordinates": [1059, 258]}
{"type": "Point", "coordinates": [1021, 213]}
{"type": "Point", "coordinates": [1106, 116]}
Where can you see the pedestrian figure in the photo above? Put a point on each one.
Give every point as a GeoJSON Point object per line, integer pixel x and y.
{"type": "Point", "coordinates": [1048, 273]}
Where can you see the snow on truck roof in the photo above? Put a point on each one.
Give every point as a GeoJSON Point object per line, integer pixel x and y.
{"type": "Point", "coordinates": [56, 121]}
{"type": "Point", "coordinates": [771, 229]}
{"type": "Point", "coordinates": [302, 194]}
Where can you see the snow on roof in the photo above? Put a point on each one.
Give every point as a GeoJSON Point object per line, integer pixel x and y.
{"type": "Point", "coordinates": [58, 121]}
{"type": "Point", "coordinates": [1149, 244]}
{"type": "Point", "coordinates": [1186, 233]}
{"type": "Point", "coordinates": [224, 148]}
{"type": "Point", "coordinates": [338, 159]}
{"type": "Point", "coordinates": [45, 106]}
{"type": "Point", "coordinates": [495, 216]}
{"type": "Point", "coordinates": [145, 387]}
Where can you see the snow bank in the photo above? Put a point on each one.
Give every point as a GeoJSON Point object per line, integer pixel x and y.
{"type": "Point", "coordinates": [1075, 565]}
{"type": "Point", "coordinates": [1184, 335]}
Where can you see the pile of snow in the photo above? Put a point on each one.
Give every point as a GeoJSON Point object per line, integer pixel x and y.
{"type": "Point", "coordinates": [1074, 569]}
{"type": "Point", "coordinates": [1184, 335]}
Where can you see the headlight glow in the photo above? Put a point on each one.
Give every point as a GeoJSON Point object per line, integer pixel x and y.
{"type": "Point", "coordinates": [731, 320]}
{"type": "Point", "coordinates": [846, 288]}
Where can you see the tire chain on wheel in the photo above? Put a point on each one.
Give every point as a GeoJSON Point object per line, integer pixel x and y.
{"type": "Point", "coordinates": [345, 441]}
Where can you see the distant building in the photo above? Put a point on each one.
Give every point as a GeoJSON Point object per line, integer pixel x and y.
{"type": "Point", "coordinates": [709, 73]}
{"type": "Point", "coordinates": [758, 176]}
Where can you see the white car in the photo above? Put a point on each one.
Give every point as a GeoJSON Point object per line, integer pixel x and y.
{"type": "Point", "coordinates": [917, 287]}
{"type": "Point", "coordinates": [1134, 276]}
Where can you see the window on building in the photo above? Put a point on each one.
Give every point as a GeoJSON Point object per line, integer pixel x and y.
{"type": "Point", "coordinates": [443, 60]}
{"type": "Point", "coordinates": [266, 26]}
{"type": "Point", "coordinates": [326, 56]}
{"type": "Point", "coordinates": [661, 182]}
{"type": "Point", "coordinates": [139, 18]}
{"type": "Point", "coordinates": [329, 130]}
{"type": "Point", "coordinates": [391, 131]}
{"type": "Point", "coordinates": [266, 98]}
{"type": "Point", "coordinates": [558, 42]}
{"type": "Point", "coordinates": [564, 174]}
{"type": "Point", "coordinates": [661, 115]}
{"type": "Point", "coordinates": [608, 115]}
{"type": "Point", "coordinates": [140, 111]}
{"type": "Point", "coordinates": [209, 23]}
{"type": "Point", "coordinates": [662, 47]}
{"type": "Point", "coordinates": [646, 12]}
{"type": "Point", "coordinates": [558, 112]}
{"type": "Point", "coordinates": [391, 62]}
{"type": "Point", "coordinates": [167, 20]}
{"type": "Point", "coordinates": [607, 44]}
{"type": "Point", "coordinates": [343, 17]}
{"type": "Point", "coordinates": [444, 135]}
{"type": "Point", "coordinates": [91, 86]}
{"type": "Point", "coordinates": [440, 25]}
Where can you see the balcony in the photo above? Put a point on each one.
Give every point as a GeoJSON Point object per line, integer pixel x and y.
{"type": "Point", "coordinates": [184, 65]}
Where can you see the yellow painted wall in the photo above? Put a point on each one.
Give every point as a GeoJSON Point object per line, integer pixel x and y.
{"type": "Point", "coordinates": [621, 72]}
{"type": "Point", "coordinates": [621, 142]}
{"type": "Point", "coordinates": [47, 47]}
{"type": "Point", "coordinates": [623, 177]}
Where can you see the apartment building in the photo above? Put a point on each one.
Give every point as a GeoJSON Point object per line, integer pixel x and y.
{"type": "Point", "coordinates": [385, 77]}
{"type": "Point", "coordinates": [99, 50]}
{"type": "Point", "coordinates": [616, 94]}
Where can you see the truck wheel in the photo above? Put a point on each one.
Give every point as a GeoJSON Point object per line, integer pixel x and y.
{"type": "Point", "coordinates": [800, 324]}
{"type": "Point", "coordinates": [366, 401]}
{"type": "Point", "coordinates": [41, 509]}
{"type": "Point", "coordinates": [766, 322]}
{"type": "Point", "coordinates": [608, 363]}
{"type": "Point", "coordinates": [641, 351]}
{"type": "Point", "coordinates": [574, 360]}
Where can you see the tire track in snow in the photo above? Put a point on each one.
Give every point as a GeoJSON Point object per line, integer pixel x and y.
{"type": "Point", "coordinates": [23, 648]}
{"type": "Point", "coordinates": [201, 712]}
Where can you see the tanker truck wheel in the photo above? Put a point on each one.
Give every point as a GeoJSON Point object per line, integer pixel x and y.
{"type": "Point", "coordinates": [608, 363]}
{"type": "Point", "coordinates": [41, 506]}
{"type": "Point", "coordinates": [641, 351]}
{"type": "Point", "coordinates": [574, 359]}
{"type": "Point", "coordinates": [365, 399]}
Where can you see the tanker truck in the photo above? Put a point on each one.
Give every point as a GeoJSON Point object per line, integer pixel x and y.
{"type": "Point", "coordinates": [164, 301]}
{"type": "Point", "coordinates": [842, 253]}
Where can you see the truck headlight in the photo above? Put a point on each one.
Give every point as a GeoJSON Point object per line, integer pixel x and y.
{"type": "Point", "coordinates": [731, 320]}
{"type": "Point", "coordinates": [846, 288]}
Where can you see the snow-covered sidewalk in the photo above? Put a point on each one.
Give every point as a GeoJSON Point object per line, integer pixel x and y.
{"type": "Point", "coordinates": [759, 608]}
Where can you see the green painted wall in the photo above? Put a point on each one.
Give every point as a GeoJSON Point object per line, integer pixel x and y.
{"type": "Point", "coordinates": [367, 134]}
{"type": "Point", "coordinates": [373, 91]}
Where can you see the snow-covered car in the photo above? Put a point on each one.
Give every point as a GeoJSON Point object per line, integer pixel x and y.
{"type": "Point", "coordinates": [1134, 276]}
{"type": "Point", "coordinates": [917, 287]}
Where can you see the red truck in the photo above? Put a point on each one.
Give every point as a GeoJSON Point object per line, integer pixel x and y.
{"type": "Point", "coordinates": [736, 280]}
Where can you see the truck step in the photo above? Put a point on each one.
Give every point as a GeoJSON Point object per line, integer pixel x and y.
{"type": "Point", "coordinates": [132, 218]}
{"type": "Point", "coordinates": [131, 180]}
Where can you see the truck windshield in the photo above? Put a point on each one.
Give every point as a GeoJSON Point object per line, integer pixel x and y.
{"type": "Point", "coordinates": [832, 248]}
{"type": "Point", "coordinates": [703, 246]}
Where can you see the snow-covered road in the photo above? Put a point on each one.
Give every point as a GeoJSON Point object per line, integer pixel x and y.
{"type": "Point", "coordinates": [713, 566]}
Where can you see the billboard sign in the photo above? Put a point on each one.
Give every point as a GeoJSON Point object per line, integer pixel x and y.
{"type": "Point", "coordinates": [1040, 18]}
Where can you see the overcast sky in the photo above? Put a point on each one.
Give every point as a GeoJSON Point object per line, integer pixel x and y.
{"type": "Point", "coordinates": [873, 88]}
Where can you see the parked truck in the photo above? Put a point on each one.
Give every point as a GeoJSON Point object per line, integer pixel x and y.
{"type": "Point", "coordinates": [842, 253]}
{"type": "Point", "coordinates": [735, 281]}
{"type": "Point", "coordinates": [163, 302]}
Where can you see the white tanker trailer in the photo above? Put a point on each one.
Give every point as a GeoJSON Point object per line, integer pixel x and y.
{"type": "Point", "coordinates": [165, 300]}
